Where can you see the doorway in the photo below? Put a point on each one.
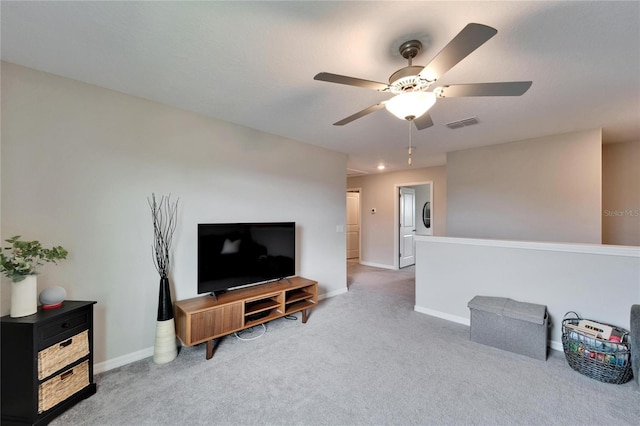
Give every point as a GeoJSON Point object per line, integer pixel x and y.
{"type": "Point", "coordinates": [407, 226]}
{"type": "Point", "coordinates": [353, 224]}
{"type": "Point", "coordinates": [414, 216]}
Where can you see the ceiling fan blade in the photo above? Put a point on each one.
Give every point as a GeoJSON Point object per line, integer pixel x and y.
{"type": "Point", "coordinates": [469, 39]}
{"type": "Point", "coordinates": [359, 114]}
{"type": "Point", "coordinates": [512, 88]}
{"type": "Point", "coordinates": [423, 121]}
{"type": "Point", "coordinates": [351, 81]}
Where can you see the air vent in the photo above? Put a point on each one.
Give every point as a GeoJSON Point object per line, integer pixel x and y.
{"type": "Point", "coordinates": [463, 123]}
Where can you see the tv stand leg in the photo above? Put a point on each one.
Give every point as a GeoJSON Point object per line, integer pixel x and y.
{"type": "Point", "coordinates": [209, 349]}
{"type": "Point", "coordinates": [305, 316]}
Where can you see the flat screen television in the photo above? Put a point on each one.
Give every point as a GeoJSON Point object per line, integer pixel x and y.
{"type": "Point", "coordinates": [239, 254]}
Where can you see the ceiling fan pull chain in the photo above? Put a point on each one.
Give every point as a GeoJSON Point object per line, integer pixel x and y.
{"type": "Point", "coordinates": [409, 160]}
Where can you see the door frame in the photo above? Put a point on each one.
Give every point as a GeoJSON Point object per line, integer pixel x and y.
{"type": "Point", "coordinates": [359, 191]}
{"type": "Point", "coordinates": [396, 216]}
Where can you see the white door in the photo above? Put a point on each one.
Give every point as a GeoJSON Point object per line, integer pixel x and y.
{"type": "Point", "coordinates": [407, 226]}
{"type": "Point", "coordinates": [353, 225]}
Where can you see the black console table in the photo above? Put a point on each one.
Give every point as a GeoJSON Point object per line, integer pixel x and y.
{"type": "Point", "coordinates": [47, 362]}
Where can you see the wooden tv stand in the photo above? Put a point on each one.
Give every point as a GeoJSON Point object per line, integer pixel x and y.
{"type": "Point", "coordinates": [203, 319]}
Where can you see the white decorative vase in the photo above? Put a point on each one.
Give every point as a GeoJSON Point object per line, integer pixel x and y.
{"type": "Point", "coordinates": [24, 297]}
{"type": "Point", "coordinates": [165, 349]}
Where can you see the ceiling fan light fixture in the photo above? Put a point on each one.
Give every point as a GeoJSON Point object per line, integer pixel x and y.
{"type": "Point", "coordinates": [410, 105]}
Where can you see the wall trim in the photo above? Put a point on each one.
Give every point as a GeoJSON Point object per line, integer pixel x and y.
{"type": "Point", "coordinates": [332, 293]}
{"type": "Point", "coordinates": [377, 265]}
{"type": "Point", "coordinates": [555, 345]}
{"type": "Point", "coordinates": [110, 364]}
{"type": "Point", "coordinates": [442, 315]}
{"type": "Point", "coordinates": [610, 250]}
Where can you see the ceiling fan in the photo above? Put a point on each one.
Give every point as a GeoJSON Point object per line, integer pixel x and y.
{"type": "Point", "coordinates": [411, 84]}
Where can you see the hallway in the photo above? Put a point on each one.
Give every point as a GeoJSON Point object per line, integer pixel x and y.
{"type": "Point", "coordinates": [400, 283]}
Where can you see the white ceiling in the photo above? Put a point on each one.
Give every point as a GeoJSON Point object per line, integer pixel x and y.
{"type": "Point", "coordinates": [252, 63]}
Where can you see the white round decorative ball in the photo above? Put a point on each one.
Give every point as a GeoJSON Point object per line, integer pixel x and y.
{"type": "Point", "coordinates": [52, 295]}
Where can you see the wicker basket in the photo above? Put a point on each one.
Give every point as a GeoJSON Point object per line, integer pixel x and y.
{"type": "Point", "coordinates": [599, 359]}
{"type": "Point", "coordinates": [62, 386]}
{"type": "Point", "coordinates": [61, 354]}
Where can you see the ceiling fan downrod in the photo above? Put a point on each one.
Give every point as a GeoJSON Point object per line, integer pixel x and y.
{"type": "Point", "coordinates": [404, 80]}
{"type": "Point", "coordinates": [410, 49]}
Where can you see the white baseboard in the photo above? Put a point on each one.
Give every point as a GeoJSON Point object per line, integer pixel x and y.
{"type": "Point", "coordinates": [332, 293]}
{"type": "Point", "coordinates": [377, 265]}
{"type": "Point", "coordinates": [110, 364]}
{"type": "Point", "coordinates": [553, 344]}
{"type": "Point", "coordinates": [438, 314]}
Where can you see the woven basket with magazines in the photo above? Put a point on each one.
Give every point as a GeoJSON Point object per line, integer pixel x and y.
{"type": "Point", "coordinates": [596, 357]}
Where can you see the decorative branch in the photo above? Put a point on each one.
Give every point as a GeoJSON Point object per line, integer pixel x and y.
{"type": "Point", "coordinates": [163, 214]}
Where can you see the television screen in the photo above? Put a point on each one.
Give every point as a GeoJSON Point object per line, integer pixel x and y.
{"type": "Point", "coordinates": [239, 254]}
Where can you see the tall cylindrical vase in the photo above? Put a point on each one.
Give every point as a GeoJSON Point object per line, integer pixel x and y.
{"type": "Point", "coordinates": [165, 349]}
{"type": "Point", "coordinates": [24, 297]}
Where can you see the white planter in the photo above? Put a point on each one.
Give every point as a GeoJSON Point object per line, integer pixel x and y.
{"type": "Point", "coordinates": [165, 349]}
{"type": "Point", "coordinates": [24, 297]}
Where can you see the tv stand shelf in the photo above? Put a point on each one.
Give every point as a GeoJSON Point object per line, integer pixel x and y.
{"type": "Point", "coordinates": [205, 318]}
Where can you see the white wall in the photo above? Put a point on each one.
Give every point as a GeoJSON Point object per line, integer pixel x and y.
{"type": "Point", "coordinates": [598, 282]}
{"type": "Point", "coordinates": [544, 189]}
{"type": "Point", "coordinates": [379, 191]}
{"type": "Point", "coordinates": [78, 163]}
{"type": "Point", "coordinates": [621, 193]}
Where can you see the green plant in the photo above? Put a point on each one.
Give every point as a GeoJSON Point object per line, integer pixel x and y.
{"type": "Point", "coordinates": [23, 258]}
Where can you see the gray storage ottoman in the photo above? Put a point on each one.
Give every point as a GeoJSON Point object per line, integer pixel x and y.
{"type": "Point", "coordinates": [510, 325]}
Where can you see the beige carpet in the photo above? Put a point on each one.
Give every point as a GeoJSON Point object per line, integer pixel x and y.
{"type": "Point", "coordinates": [364, 357]}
